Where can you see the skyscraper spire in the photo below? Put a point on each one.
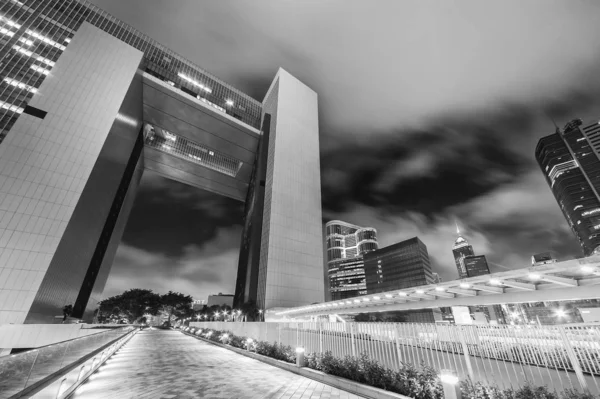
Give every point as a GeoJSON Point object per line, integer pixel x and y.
{"type": "Point", "coordinates": [457, 229]}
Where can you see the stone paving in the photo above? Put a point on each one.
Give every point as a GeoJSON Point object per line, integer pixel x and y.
{"type": "Point", "coordinates": [169, 364]}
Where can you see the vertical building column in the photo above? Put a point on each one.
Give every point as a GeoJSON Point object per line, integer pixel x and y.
{"type": "Point", "coordinates": [291, 256]}
{"type": "Point", "coordinates": [46, 161]}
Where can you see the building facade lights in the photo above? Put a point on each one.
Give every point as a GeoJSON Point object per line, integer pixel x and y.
{"type": "Point", "coordinates": [20, 85]}
{"type": "Point", "coordinates": [40, 69]}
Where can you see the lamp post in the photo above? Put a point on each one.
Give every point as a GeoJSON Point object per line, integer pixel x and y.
{"type": "Point", "coordinates": [260, 312]}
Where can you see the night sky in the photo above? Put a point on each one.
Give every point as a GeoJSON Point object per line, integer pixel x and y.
{"type": "Point", "coordinates": [429, 114]}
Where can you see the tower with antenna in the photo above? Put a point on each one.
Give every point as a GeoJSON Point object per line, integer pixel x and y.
{"type": "Point", "coordinates": [461, 250]}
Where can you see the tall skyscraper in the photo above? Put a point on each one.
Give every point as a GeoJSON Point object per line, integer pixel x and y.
{"type": "Point", "coordinates": [570, 161]}
{"type": "Point", "coordinates": [87, 104]}
{"type": "Point", "coordinates": [461, 249]}
{"type": "Point", "coordinates": [401, 265]}
{"type": "Point", "coordinates": [346, 244]}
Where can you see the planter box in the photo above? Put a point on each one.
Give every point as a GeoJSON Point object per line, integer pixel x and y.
{"type": "Point", "coordinates": [337, 382]}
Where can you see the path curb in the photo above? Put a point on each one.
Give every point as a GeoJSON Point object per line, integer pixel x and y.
{"type": "Point", "coordinates": [337, 382]}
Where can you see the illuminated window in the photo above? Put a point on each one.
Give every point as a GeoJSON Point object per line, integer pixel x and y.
{"type": "Point", "coordinates": [40, 69]}
{"type": "Point", "coordinates": [11, 107]}
{"type": "Point", "coordinates": [20, 85]}
{"type": "Point", "coordinates": [578, 207]}
{"type": "Point", "coordinates": [45, 39]}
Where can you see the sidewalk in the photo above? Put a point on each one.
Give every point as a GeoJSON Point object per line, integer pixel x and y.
{"type": "Point", "coordinates": [168, 364]}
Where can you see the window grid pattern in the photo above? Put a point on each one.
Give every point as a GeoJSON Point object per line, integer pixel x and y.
{"type": "Point", "coordinates": [34, 33]}
{"type": "Point", "coordinates": [191, 151]}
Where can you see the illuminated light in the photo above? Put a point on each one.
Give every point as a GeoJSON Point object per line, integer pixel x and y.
{"type": "Point", "coordinates": [449, 378]}
{"type": "Point", "coordinates": [206, 89]}
{"type": "Point", "coordinates": [402, 294]}
{"type": "Point", "coordinates": [299, 349]}
{"type": "Point", "coordinates": [366, 299]}
{"type": "Point", "coordinates": [45, 39]}
{"type": "Point", "coordinates": [335, 304]}
{"type": "Point", "coordinates": [465, 285]}
{"type": "Point", "coordinates": [10, 23]}
{"type": "Point", "coordinates": [587, 269]}
{"type": "Point", "coordinates": [40, 69]}
{"type": "Point", "coordinates": [166, 147]}
{"type": "Point", "coordinates": [127, 120]}
{"type": "Point", "coordinates": [211, 153]}
{"type": "Point", "coordinates": [388, 295]}
{"type": "Point", "coordinates": [170, 136]}
{"type": "Point", "coordinates": [6, 32]}
{"type": "Point", "coordinates": [495, 282]}
{"type": "Point", "coordinates": [229, 102]}
{"type": "Point", "coordinates": [514, 315]}
{"type": "Point", "coordinates": [420, 291]}
{"type": "Point", "coordinates": [249, 340]}
{"type": "Point", "coordinates": [25, 41]}
{"type": "Point", "coordinates": [20, 85]}
{"type": "Point", "coordinates": [440, 289]}
{"type": "Point", "coordinates": [192, 81]}
{"type": "Point", "coordinates": [225, 336]}
{"type": "Point", "coordinates": [356, 301]}
{"type": "Point", "coordinates": [534, 276]}
{"type": "Point", "coordinates": [585, 311]}
{"type": "Point", "coordinates": [560, 313]}
{"type": "Point", "coordinates": [376, 298]}
{"type": "Point", "coordinates": [67, 40]}
{"type": "Point", "coordinates": [348, 303]}
{"type": "Point", "coordinates": [11, 107]}
{"type": "Point", "coordinates": [23, 51]}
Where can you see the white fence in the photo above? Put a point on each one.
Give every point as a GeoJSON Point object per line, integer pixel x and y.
{"type": "Point", "coordinates": [560, 357]}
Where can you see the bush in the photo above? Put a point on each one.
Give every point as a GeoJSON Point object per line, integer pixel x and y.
{"type": "Point", "coordinates": [419, 383]}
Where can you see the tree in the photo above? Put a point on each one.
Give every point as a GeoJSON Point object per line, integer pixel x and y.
{"type": "Point", "coordinates": [175, 304]}
{"type": "Point", "coordinates": [130, 305]}
{"type": "Point", "coordinates": [67, 310]}
{"type": "Point", "coordinates": [361, 317]}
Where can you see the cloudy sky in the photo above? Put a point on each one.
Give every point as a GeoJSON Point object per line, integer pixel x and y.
{"type": "Point", "coordinates": [429, 113]}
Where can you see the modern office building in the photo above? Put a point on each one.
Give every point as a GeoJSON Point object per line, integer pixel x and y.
{"type": "Point", "coordinates": [476, 265]}
{"type": "Point", "coordinates": [220, 300]}
{"type": "Point", "coordinates": [87, 104]}
{"type": "Point", "coordinates": [460, 250]}
{"type": "Point", "coordinates": [401, 265]}
{"type": "Point", "coordinates": [543, 258]}
{"type": "Point", "coordinates": [346, 244]}
{"type": "Point", "coordinates": [570, 161]}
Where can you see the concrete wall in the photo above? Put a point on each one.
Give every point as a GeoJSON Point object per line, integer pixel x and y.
{"type": "Point", "coordinates": [36, 335]}
{"type": "Point", "coordinates": [291, 264]}
{"type": "Point", "coordinates": [45, 163]}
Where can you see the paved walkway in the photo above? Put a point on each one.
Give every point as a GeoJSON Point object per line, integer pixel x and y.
{"type": "Point", "coordinates": [169, 364]}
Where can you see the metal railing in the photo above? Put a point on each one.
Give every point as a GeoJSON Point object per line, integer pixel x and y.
{"type": "Point", "coordinates": [21, 371]}
{"type": "Point", "coordinates": [560, 357]}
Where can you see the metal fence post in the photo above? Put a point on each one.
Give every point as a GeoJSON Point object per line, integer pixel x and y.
{"type": "Point", "coordinates": [463, 341]}
{"type": "Point", "coordinates": [320, 337]}
{"type": "Point", "coordinates": [396, 336]}
{"type": "Point", "coordinates": [352, 339]}
{"type": "Point", "coordinates": [573, 358]}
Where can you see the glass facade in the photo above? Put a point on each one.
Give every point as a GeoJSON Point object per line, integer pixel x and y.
{"type": "Point", "coordinates": [34, 33]}
{"type": "Point", "coordinates": [183, 148]}
{"type": "Point", "coordinates": [346, 244]}
{"type": "Point", "coordinates": [460, 250]}
{"type": "Point", "coordinates": [570, 163]}
{"type": "Point", "coordinates": [402, 265]}
{"type": "Point", "coordinates": [476, 265]}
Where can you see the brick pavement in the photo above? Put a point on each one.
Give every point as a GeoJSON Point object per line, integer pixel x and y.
{"type": "Point", "coordinates": [169, 364]}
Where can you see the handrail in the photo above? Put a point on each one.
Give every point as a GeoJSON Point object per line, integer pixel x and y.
{"type": "Point", "coordinates": [34, 369]}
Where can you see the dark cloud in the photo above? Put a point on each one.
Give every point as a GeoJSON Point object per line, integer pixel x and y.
{"type": "Point", "coordinates": [429, 113]}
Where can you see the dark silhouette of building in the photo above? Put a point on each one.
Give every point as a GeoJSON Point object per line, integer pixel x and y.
{"type": "Point", "coordinates": [569, 160]}
{"type": "Point", "coordinates": [402, 265]}
{"type": "Point", "coordinates": [476, 265]}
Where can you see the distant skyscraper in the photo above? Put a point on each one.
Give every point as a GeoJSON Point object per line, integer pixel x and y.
{"type": "Point", "coordinates": [476, 265]}
{"type": "Point", "coordinates": [402, 265]}
{"type": "Point", "coordinates": [436, 278]}
{"type": "Point", "coordinates": [346, 244]}
{"type": "Point", "coordinates": [569, 159]}
{"type": "Point", "coordinates": [542, 259]}
{"type": "Point", "coordinates": [461, 249]}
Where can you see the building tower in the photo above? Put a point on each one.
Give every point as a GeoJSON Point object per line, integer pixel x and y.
{"type": "Point", "coordinates": [461, 249]}
{"type": "Point", "coordinates": [569, 159]}
{"type": "Point", "coordinates": [87, 104]}
{"type": "Point", "coordinates": [346, 244]}
{"type": "Point", "coordinates": [401, 265]}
